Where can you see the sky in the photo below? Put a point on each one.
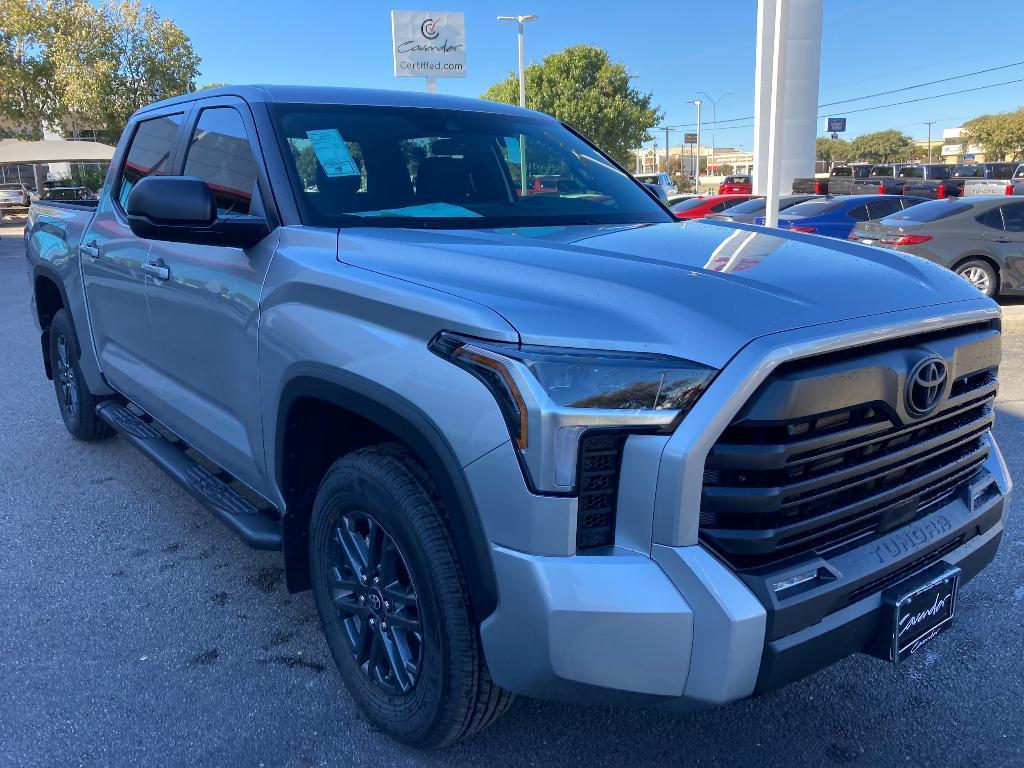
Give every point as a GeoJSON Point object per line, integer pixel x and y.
{"type": "Point", "coordinates": [676, 50]}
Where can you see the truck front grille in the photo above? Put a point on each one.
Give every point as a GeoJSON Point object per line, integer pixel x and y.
{"type": "Point", "coordinates": [781, 482]}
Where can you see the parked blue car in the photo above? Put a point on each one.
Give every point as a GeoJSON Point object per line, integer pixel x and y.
{"type": "Point", "coordinates": [835, 216]}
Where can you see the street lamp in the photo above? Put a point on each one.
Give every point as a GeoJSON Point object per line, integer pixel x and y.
{"type": "Point", "coordinates": [714, 123]}
{"type": "Point", "coordinates": [696, 169]}
{"type": "Point", "coordinates": [522, 75]}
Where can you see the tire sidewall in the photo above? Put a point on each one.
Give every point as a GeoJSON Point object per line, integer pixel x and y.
{"type": "Point", "coordinates": [410, 717]}
{"type": "Point", "coordinates": [62, 327]}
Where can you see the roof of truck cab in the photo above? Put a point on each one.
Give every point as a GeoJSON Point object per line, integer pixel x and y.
{"type": "Point", "coordinates": [309, 94]}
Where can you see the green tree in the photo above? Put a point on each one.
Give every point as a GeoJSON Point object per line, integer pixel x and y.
{"type": "Point", "coordinates": [211, 86]}
{"type": "Point", "coordinates": [889, 146]}
{"type": "Point", "coordinates": [29, 93]}
{"type": "Point", "coordinates": [831, 150]}
{"type": "Point", "coordinates": [1000, 135]}
{"type": "Point", "coordinates": [72, 63]}
{"type": "Point", "coordinates": [583, 87]}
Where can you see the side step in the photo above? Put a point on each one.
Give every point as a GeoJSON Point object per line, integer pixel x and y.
{"type": "Point", "coordinates": [239, 514]}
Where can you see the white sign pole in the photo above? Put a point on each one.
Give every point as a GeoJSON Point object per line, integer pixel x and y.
{"type": "Point", "coordinates": [776, 112]}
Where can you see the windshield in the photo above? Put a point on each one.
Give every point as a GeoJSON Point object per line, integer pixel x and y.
{"type": "Point", "coordinates": [438, 168]}
{"type": "Point", "coordinates": [686, 205]}
{"type": "Point", "coordinates": [813, 208]}
{"type": "Point", "coordinates": [756, 205]}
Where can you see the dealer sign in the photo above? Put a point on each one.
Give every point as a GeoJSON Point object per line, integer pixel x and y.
{"type": "Point", "coordinates": [429, 43]}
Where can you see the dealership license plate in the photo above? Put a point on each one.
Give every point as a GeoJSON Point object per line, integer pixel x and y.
{"type": "Point", "coordinates": [921, 608]}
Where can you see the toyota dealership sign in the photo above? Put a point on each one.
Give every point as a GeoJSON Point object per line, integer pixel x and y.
{"type": "Point", "coordinates": [429, 44]}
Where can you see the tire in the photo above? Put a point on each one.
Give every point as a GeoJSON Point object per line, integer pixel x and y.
{"type": "Point", "coordinates": [981, 275]}
{"type": "Point", "coordinates": [77, 404]}
{"type": "Point", "coordinates": [418, 613]}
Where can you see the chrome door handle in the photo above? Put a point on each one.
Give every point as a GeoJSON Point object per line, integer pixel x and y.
{"type": "Point", "coordinates": [90, 249]}
{"type": "Point", "coordinates": [156, 270]}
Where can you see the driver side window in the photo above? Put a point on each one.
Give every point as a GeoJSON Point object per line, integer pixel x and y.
{"type": "Point", "coordinates": [220, 155]}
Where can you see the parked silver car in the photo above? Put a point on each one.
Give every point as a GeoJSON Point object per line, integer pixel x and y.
{"type": "Point", "coordinates": [746, 212]}
{"type": "Point", "coordinates": [981, 239]}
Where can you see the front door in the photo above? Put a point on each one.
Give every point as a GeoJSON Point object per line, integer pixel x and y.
{"type": "Point", "coordinates": [205, 314]}
{"type": "Point", "coordinates": [1009, 246]}
{"type": "Point", "coordinates": [112, 265]}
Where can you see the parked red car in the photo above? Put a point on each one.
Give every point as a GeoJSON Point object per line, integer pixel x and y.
{"type": "Point", "coordinates": [737, 185]}
{"type": "Point", "coordinates": [699, 207]}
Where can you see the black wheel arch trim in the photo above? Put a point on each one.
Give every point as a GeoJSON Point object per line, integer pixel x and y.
{"type": "Point", "coordinates": [46, 271]}
{"type": "Point", "coordinates": [406, 420]}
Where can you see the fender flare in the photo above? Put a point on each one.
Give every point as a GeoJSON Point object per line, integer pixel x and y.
{"type": "Point", "coordinates": [404, 419]}
{"type": "Point", "coordinates": [45, 270]}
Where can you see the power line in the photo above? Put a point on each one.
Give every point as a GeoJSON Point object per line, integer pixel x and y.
{"type": "Point", "coordinates": [921, 85]}
{"type": "Point", "coordinates": [885, 93]}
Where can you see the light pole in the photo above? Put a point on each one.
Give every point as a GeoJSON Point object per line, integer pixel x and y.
{"type": "Point", "coordinates": [696, 169]}
{"type": "Point", "coordinates": [930, 123]}
{"type": "Point", "coordinates": [714, 122]}
{"type": "Point", "coordinates": [520, 20]}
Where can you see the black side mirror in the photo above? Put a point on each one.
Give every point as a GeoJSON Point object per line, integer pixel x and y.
{"type": "Point", "coordinates": [182, 209]}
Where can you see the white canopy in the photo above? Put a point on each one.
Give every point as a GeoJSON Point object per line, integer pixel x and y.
{"type": "Point", "coordinates": [55, 151]}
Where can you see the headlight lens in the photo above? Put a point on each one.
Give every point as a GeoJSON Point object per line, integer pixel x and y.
{"type": "Point", "coordinates": [549, 396]}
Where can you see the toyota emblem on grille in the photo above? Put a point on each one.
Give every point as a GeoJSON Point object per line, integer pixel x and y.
{"type": "Point", "coordinates": [925, 385]}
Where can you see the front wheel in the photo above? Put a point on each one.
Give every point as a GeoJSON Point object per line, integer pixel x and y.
{"type": "Point", "coordinates": [981, 275]}
{"type": "Point", "coordinates": [393, 601]}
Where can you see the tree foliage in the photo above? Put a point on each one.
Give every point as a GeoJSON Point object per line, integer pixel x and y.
{"type": "Point", "coordinates": [889, 146]}
{"type": "Point", "coordinates": [72, 62]}
{"type": "Point", "coordinates": [1000, 135]}
{"type": "Point", "coordinates": [831, 150]}
{"type": "Point", "coordinates": [583, 87]}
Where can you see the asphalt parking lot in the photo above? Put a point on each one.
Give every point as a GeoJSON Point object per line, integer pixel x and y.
{"type": "Point", "coordinates": [136, 630]}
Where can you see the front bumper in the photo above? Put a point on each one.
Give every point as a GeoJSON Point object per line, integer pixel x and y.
{"type": "Point", "coordinates": [680, 629]}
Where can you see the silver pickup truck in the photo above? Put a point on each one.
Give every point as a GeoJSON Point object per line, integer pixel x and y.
{"type": "Point", "coordinates": [548, 442]}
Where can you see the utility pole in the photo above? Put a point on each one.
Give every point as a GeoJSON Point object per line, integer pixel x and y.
{"type": "Point", "coordinates": [696, 167]}
{"type": "Point", "coordinates": [930, 123]}
{"type": "Point", "coordinates": [520, 21]}
{"type": "Point", "coordinates": [667, 158]}
{"type": "Point", "coordinates": [714, 123]}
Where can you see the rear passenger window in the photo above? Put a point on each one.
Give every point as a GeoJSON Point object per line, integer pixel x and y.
{"type": "Point", "coordinates": [150, 152]}
{"type": "Point", "coordinates": [220, 155]}
{"type": "Point", "coordinates": [1013, 217]}
{"type": "Point", "coordinates": [992, 218]}
{"type": "Point", "coordinates": [879, 209]}
{"type": "Point", "coordinates": [860, 213]}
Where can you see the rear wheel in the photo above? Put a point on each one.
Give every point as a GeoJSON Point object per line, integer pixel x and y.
{"type": "Point", "coordinates": [77, 404]}
{"type": "Point", "coordinates": [393, 600]}
{"type": "Point", "coordinates": [981, 275]}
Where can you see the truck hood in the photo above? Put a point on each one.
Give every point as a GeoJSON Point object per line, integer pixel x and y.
{"type": "Point", "coordinates": [696, 290]}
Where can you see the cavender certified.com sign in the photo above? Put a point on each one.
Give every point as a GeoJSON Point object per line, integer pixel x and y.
{"type": "Point", "coordinates": [429, 43]}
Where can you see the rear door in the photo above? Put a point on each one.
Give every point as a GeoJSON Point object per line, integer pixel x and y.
{"type": "Point", "coordinates": [112, 261]}
{"type": "Point", "coordinates": [206, 313]}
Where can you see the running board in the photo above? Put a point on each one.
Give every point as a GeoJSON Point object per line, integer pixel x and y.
{"type": "Point", "coordinates": [238, 513]}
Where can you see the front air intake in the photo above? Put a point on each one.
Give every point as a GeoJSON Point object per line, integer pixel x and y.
{"type": "Point", "coordinates": [600, 462]}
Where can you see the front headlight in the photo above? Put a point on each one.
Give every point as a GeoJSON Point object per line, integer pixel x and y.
{"type": "Point", "coordinates": [550, 396]}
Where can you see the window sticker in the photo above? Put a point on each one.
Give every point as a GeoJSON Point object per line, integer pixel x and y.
{"type": "Point", "coordinates": [332, 153]}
